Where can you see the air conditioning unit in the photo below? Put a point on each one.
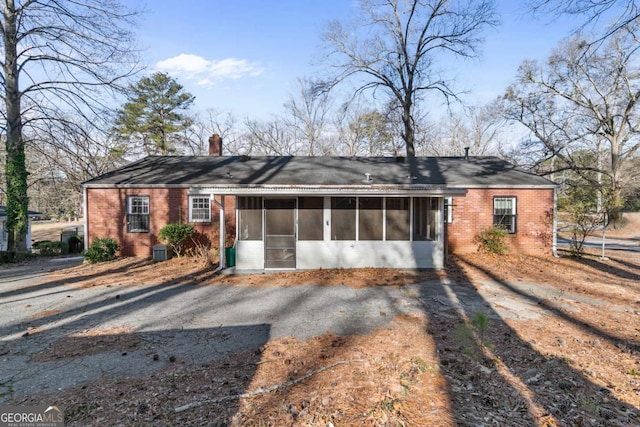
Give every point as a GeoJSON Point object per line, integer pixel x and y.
{"type": "Point", "coordinates": [160, 253]}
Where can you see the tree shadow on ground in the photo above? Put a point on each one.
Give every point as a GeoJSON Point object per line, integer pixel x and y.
{"type": "Point", "coordinates": [342, 309]}
{"type": "Point", "coordinates": [624, 270]}
{"type": "Point", "coordinates": [489, 375]}
{"type": "Point", "coordinates": [36, 269]}
{"type": "Point", "coordinates": [497, 378]}
{"type": "Point", "coordinates": [138, 378]}
{"type": "Point", "coordinates": [589, 326]}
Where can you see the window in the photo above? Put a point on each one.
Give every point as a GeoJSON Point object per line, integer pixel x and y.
{"type": "Point", "coordinates": [5, 233]}
{"type": "Point", "coordinates": [138, 214]}
{"type": "Point", "coordinates": [199, 209]}
{"type": "Point", "coordinates": [370, 218]}
{"type": "Point", "coordinates": [250, 218]}
{"type": "Point", "coordinates": [397, 219]}
{"type": "Point", "coordinates": [425, 213]}
{"type": "Point", "coordinates": [504, 213]}
{"type": "Point", "coordinates": [343, 218]}
{"type": "Point", "coordinates": [448, 210]}
{"type": "Point", "coordinates": [310, 218]}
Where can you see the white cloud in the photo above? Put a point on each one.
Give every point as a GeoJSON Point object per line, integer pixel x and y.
{"type": "Point", "coordinates": [207, 72]}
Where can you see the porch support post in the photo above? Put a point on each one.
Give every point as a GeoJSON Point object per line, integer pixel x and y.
{"type": "Point", "coordinates": [220, 205]}
{"type": "Point", "coordinates": [85, 219]}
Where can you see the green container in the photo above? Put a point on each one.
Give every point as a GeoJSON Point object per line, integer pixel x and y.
{"type": "Point", "coordinates": [230, 257]}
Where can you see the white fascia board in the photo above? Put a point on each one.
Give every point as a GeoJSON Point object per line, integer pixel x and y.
{"type": "Point", "coordinates": [331, 191]}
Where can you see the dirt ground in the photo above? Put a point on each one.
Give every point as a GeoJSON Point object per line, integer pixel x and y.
{"type": "Point", "coordinates": [570, 367]}
{"type": "Point", "coordinates": [51, 230]}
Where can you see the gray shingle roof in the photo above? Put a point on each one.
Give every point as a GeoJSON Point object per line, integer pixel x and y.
{"type": "Point", "coordinates": [209, 171]}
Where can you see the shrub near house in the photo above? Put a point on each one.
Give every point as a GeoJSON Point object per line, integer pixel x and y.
{"type": "Point", "coordinates": [101, 250]}
{"type": "Point", "coordinates": [176, 235]}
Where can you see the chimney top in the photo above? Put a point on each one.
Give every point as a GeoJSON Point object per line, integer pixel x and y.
{"type": "Point", "coordinates": [215, 145]}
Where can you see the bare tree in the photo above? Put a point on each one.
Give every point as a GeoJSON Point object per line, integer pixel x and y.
{"type": "Point", "coordinates": [57, 57]}
{"type": "Point", "coordinates": [365, 132]}
{"type": "Point", "coordinates": [225, 124]}
{"type": "Point", "coordinates": [308, 113]}
{"type": "Point", "coordinates": [60, 155]}
{"type": "Point", "coordinates": [477, 128]}
{"type": "Point", "coordinates": [579, 101]}
{"type": "Point", "coordinates": [397, 46]}
{"type": "Point", "coordinates": [271, 138]}
{"type": "Point", "coordinates": [618, 14]}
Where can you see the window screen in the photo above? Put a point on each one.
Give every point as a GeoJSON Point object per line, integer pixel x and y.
{"type": "Point", "coordinates": [310, 218]}
{"type": "Point", "coordinates": [343, 218]}
{"type": "Point", "coordinates": [370, 218]}
{"type": "Point", "coordinates": [425, 214]}
{"type": "Point", "coordinates": [397, 219]}
{"type": "Point", "coordinates": [250, 218]}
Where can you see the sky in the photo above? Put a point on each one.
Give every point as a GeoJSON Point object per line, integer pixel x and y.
{"type": "Point", "coordinates": [245, 56]}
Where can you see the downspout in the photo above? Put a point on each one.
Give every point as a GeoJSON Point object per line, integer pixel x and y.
{"type": "Point", "coordinates": [554, 243]}
{"type": "Point", "coordinates": [85, 219]}
{"type": "Point", "coordinates": [222, 263]}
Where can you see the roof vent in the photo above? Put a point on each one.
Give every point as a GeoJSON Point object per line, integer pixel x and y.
{"type": "Point", "coordinates": [244, 157]}
{"type": "Point", "coordinates": [466, 153]}
{"type": "Point", "coordinates": [367, 178]}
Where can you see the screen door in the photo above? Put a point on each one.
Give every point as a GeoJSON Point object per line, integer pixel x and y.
{"type": "Point", "coordinates": [280, 239]}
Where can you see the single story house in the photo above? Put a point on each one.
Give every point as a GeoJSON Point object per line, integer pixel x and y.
{"type": "Point", "coordinates": [4, 235]}
{"type": "Point", "coordinates": [323, 212]}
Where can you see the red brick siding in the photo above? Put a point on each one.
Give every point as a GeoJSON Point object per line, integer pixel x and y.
{"type": "Point", "coordinates": [106, 213]}
{"type": "Point", "coordinates": [475, 212]}
{"type": "Point", "coordinates": [106, 216]}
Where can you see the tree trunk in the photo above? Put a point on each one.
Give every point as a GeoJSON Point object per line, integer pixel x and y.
{"type": "Point", "coordinates": [616, 202]}
{"type": "Point", "coordinates": [409, 131]}
{"type": "Point", "coordinates": [15, 167]}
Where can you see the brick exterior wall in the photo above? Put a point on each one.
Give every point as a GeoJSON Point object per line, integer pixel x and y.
{"type": "Point", "coordinates": [475, 212]}
{"type": "Point", "coordinates": [106, 217]}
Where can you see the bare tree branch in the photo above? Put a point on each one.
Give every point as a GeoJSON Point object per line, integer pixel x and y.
{"type": "Point", "coordinates": [398, 44]}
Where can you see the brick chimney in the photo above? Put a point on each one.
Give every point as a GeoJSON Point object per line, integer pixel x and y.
{"type": "Point", "coordinates": [215, 145]}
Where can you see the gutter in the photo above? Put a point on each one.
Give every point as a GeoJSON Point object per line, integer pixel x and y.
{"type": "Point", "coordinates": [554, 244]}
{"type": "Point", "coordinates": [222, 263]}
{"type": "Point", "coordinates": [85, 215]}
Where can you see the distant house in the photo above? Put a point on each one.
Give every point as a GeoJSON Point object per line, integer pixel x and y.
{"type": "Point", "coordinates": [323, 212]}
{"type": "Point", "coordinates": [4, 236]}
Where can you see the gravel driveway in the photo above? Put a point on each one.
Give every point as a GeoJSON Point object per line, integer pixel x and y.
{"type": "Point", "coordinates": [188, 323]}
{"type": "Point", "coordinates": [142, 329]}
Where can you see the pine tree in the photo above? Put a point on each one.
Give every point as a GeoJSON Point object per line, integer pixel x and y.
{"type": "Point", "coordinates": [155, 117]}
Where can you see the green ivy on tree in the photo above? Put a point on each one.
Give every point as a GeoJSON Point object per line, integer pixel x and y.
{"type": "Point", "coordinates": [17, 200]}
{"type": "Point", "coordinates": [155, 116]}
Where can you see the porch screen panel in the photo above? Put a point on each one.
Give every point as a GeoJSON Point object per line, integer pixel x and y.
{"type": "Point", "coordinates": [425, 214]}
{"type": "Point", "coordinates": [310, 218]}
{"type": "Point", "coordinates": [343, 218]}
{"type": "Point", "coordinates": [250, 218]}
{"type": "Point", "coordinates": [370, 218]}
{"type": "Point", "coordinates": [397, 219]}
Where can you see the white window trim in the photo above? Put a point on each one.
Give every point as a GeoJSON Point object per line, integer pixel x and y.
{"type": "Point", "coordinates": [191, 199]}
{"type": "Point", "coordinates": [130, 200]}
{"type": "Point", "coordinates": [514, 211]}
